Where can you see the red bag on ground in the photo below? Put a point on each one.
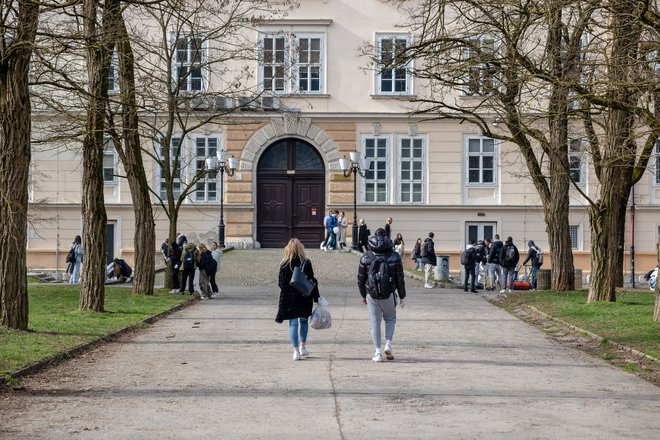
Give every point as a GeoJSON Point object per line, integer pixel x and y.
{"type": "Point", "coordinates": [521, 285]}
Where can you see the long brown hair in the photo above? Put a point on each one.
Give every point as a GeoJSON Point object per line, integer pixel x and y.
{"type": "Point", "coordinates": [294, 248]}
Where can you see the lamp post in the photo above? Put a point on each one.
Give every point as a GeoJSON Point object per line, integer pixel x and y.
{"type": "Point", "coordinates": [222, 164]}
{"type": "Point", "coordinates": [355, 165]}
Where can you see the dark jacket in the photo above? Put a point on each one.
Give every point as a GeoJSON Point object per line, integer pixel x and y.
{"type": "Point", "coordinates": [381, 246]}
{"type": "Point", "coordinates": [388, 230]}
{"type": "Point", "coordinates": [494, 253]}
{"type": "Point", "coordinates": [430, 252]}
{"type": "Point", "coordinates": [204, 261]}
{"type": "Point", "coordinates": [416, 252]}
{"type": "Point", "coordinates": [532, 254]}
{"type": "Point", "coordinates": [363, 235]}
{"type": "Point", "coordinates": [509, 264]}
{"type": "Point", "coordinates": [292, 304]}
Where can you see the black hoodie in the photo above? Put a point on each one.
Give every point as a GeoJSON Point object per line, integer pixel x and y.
{"type": "Point", "coordinates": [381, 246]}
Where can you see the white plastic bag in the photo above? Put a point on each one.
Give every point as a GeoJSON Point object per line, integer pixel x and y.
{"type": "Point", "coordinates": [321, 318]}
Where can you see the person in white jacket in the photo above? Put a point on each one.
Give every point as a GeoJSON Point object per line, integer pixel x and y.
{"type": "Point", "coordinates": [343, 225]}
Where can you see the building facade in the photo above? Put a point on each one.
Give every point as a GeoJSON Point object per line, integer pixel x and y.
{"type": "Point", "coordinates": [320, 100]}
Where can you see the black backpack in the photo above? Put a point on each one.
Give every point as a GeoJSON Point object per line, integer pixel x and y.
{"type": "Point", "coordinates": [380, 283]}
{"type": "Point", "coordinates": [189, 260]}
{"type": "Point", "coordinates": [71, 256]}
{"type": "Point", "coordinates": [424, 250]}
{"type": "Point", "coordinates": [211, 266]}
{"type": "Point", "coordinates": [510, 255]}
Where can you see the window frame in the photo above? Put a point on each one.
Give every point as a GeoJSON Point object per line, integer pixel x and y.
{"type": "Point", "coordinates": [480, 67]}
{"type": "Point", "coordinates": [577, 245]}
{"type": "Point", "coordinates": [481, 232]}
{"type": "Point", "coordinates": [113, 74]}
{"type": "Point", "coordinates": [481, 155]}
{"type": "Point", "coordinates": [378, 86]}
{"type": "Point", "coordinates": [190, 63]}
{"type": "Point", "coordinates": [177, 178]}
{"type": "Point", "coordinates": [291, 65]}
{"type": "Point", "coordinates": [109, 150]}
{"type": "Point", "coordinates": [210, 178]}
{"type": "Point", "coordinates": [386, 160]}
{"type": "Point", "coordinates": [400, 180]}
{"type": "Point", "coordinates": [579, 155]}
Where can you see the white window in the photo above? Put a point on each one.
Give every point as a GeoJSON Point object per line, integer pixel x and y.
{"type": "Point", "coordinates": [479, 231]}
{"type": "Point", "coordinates": [174, 167]}
{"type": "Point", "coordinates": [480, 75]}
{"type": "Point", "coordinates": [392, 76]}
{"type": "Point", "coordinates": [113, 74]}
{"type": "Point", "coordinates": [206, 190]}
{"type": "Point", "coordinates": [411, 171]}
{"type": "Point", "coordinates": [574, 232]}
{"type": "Point", "coordinates": [576, 160]}
{"type": "Point", "coordinates": [375, 181]}
{"type": "Point", "coordinates": [110, 161]}
{"type": "Point", "coordinates": [292, 63]}
{"type": "Point", "coordinates": [188, 59]}
{"type": "Point", "coordinates": [481, 161]}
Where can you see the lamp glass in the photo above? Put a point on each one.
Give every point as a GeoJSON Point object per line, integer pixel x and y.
{"type": "Point", "coordinates": [211, 163]}
{"type": "Point", "coordinates": [355, 156]}
{"type": "Point", "coordinates": [233, 162]}
{"type": "Point", "coordinates": [222, 156]}
{"type": "Point", "coordinates": [343, 163]}
{"type": "Point", "coordinates": [365, 164]}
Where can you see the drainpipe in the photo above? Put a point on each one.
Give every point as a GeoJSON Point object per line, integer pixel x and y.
{"type": "Point", "coordinates": [632, 239]}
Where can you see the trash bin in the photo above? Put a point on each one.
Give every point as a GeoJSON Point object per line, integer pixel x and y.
{"type": "Point", "coordinates": [442, 268]}
{"type": "Point", "coordinates": [578, 278]}
{"type": "Point", "coordinates": [543, 280]}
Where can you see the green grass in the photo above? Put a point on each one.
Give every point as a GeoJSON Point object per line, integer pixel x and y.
{"type": "Point", "coordinates": [34, 280]}
{"type": "Point", "coordinates": [56, 324]}
{"type": "Point", "coordinates": [628, 321]}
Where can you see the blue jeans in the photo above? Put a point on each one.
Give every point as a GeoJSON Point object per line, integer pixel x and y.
{"type": "Point", "coordinates": [293, 331]}
{"type": "Point", "coordinates": [535, 271]}
{"type": "Point", "coordinates": [75, 275]}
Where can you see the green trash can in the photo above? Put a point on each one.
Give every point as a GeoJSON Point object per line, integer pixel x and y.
{"type": "Point", "coordinates": [543, 279]}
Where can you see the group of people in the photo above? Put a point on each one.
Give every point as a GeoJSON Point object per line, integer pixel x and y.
{"type": "Point", "coordinates": [335, 225]}
{"type": "Point", "coordinates": [499, 261]}
{"type": "Point", "coordinates": [380, 279]}
{"type": "Point", "coordinates": [117, 269]}
{"type": "Point", "coordinates": [186, 259]}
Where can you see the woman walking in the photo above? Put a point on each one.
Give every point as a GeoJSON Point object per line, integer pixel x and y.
{"type": "Point", "coordinates": [343, 225]}
{"type": "Point", "coordinates": [399, 245]}
{"type": "Point", "coordinates": [416, 255]}
{"type": "Point", "coordinates": [77, 248]}
{"type": "Point", "coordinates": [292, 305]}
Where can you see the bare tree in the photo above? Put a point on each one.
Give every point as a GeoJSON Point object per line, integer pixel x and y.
{"type": "Point", "coordinates": [18, 26]}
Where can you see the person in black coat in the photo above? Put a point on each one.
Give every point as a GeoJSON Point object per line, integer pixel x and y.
{"type": "Point", "coordinates": [292, 305]}
{"type": "Point", "coordinates": [509, 258]}
{"type": "Point", "coordinates": [429, 259]}
{"type": "Point", "coordinates": [380, 246]}
{"type": "Point", "coordinates": [174, 257]}
{"type": "Point", "coordinates": [363, 236]}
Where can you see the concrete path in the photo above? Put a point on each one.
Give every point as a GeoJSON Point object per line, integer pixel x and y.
{"type": "Point", "coordinates": [222, 369]}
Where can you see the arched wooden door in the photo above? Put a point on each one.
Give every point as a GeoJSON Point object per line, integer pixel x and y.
{"type": "Point", "coordinates": [290, 194]}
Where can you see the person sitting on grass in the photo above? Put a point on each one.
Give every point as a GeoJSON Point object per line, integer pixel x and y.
{"type": "Point", "coordinates": [119, 269]}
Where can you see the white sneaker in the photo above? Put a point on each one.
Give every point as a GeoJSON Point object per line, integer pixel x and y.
{"type": "Point", "coordinates": [378, 357]}
{"type": "Point", "coordinates": [509, 290]}
{"type": "Point", "coordinates": [503, 290]}
{"type": "Point", "coordinates": [296, 355]}
{"type": "Point", "coordinates": [303, 351]}
{"type": "Point", "coordinates": [174, 291]}
{"type": "Point", "coordinates": [388, 353]}
{"type": "Point", "coordinates": [429, 286]}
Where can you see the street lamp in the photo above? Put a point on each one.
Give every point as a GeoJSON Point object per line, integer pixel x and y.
{"type": "Point", "coordinates": [222, 164]}
{"type": "Point", "coordinates": [355, 165]}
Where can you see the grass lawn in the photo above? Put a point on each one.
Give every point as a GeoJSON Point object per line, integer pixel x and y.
{"type": "Point", "coordinates": [56, 324]}
{"type": "Point", "coordinates": [628, 321]}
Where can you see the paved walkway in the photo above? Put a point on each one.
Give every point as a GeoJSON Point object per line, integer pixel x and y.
{"type": "Point", "coordinates": [222, 369]}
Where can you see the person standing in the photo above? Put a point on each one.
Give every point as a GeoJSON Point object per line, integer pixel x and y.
{"type": "Point", "coordinates": [188, 266]}
{"type": "Point", "coordinates": [429, 259]}
{"type": "Point", "coordinates": [217, 256]}
{"type": "Point", "coordinates": [469, 262]}
{"type": "Point", "coordinates": [494, 263]}
{"type": "Point", "coordinates": [416, 256]}
{"type": "Point", "coordinates": [165, 250]}
{"type": "Point", "coordinates": [206, 266]}
{"type": "Point", "coordinates": [399, 245]}
{"type": "Point", "coordinates": [326, 219]}
{"type": "Point", "coordinates": [381, 303]}
{"type": "Point", "coordinates": [175, 260]}
{"type": "Point", "coordinates": [363, 235]}
{"type": "Point", "coordinates": [509, 257]}
{"type": "Point", "coordinates": [343, 225]}
{"type": "Point", "coordinates": [388, 227]}
{"type": "Point", "coordinates": [292, 305]}
{"type": "Point", "coordinates": [78, 250]}
{"type": "Point", "coordinates": [333, 229]}
{"type": "Point", "coordinates": [533, 257]}
{"type": "Point", "coordinates": [181, 240]}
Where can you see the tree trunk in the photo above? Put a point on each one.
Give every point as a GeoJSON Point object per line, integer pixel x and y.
{"type": "Point", "coordinates": [145, 227]}
{"type": "Point", "coordinates": [656, 312]}
{"type": "Point", "coordinates": [99, 57]}
{"type": "Point", "coordinates": [15, 154]}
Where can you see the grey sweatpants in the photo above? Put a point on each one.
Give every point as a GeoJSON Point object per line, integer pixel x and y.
{"type": "Point", "coordinates": [382, 309]}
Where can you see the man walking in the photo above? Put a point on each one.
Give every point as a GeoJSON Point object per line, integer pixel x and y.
{"type": "Point", "coordinates": [388, 227]}
{"type": "Point", "coordinates": [509, 257]}
{"type": "Point", "coordinates": [380, 274]}
{"type": "Point", "coordinates": [428, 258]}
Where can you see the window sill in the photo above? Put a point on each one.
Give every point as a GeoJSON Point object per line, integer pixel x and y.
{"type": "Point", "coordinates": [399, 97]}
{"type": "Point", "coordinates": [304, 95]}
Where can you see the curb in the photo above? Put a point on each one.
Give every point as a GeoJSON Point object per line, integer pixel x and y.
{"type": "Point", "coordinates": [87, 346]}
{"type": "Point", "coordinates": [599, 338]}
